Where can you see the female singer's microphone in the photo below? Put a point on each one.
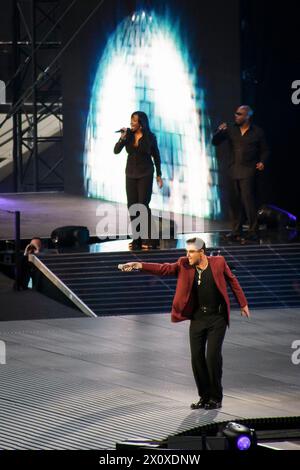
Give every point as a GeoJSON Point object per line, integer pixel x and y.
{"type": "Point", "coordinates": [122, 130]}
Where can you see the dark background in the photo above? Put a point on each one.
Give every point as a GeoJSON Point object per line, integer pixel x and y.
{"type": "Point", "coordinates": [244, 46]}
{"type": "Point", "coordinates": [270, 62]}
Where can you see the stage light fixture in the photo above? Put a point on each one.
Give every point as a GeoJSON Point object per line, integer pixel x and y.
{"type": "Point", "coordinates": [239, 437]}
{"type": "Point", "coordinates": [275, 217]}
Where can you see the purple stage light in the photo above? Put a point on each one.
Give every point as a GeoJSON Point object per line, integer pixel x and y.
{"type": "Point", "coordinates": [243, 443]}
{"type": "Point", "coordinates": [291, 216]}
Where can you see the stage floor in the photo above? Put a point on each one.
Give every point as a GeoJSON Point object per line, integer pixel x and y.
{"type": "Point", "coordinates": [41, 213]}
{"type": "Point", "coordinates": [83, 383]}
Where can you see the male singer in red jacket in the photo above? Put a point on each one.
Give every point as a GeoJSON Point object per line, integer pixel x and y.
{"type": "Point", "coordinates": [201, 297]}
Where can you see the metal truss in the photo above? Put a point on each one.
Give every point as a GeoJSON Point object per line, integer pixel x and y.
{"type": "Point", "coordinates": [37, 96]}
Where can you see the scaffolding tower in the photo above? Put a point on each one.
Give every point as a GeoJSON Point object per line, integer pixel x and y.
{"type": "Point", "coordinates": [36, 108]}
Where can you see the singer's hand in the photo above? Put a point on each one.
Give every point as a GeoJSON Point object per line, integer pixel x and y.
{"type": "Point", "coordinates": [124, 133]}
{"type": "Point", "coordinates": [131, 266]}
{"type": "Point", "coordinates": [245, 311]}
{"type": "Point", "coordinates": [223, 126]}
{"type": "Point", "coordinates": [260, 166]}
{"type": "Point", "coordinates": [31, 249]}
{"type": "Point", "coordinates": [159, 181]}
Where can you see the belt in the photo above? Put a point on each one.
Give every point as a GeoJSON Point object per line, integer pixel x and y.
{"type": "Point", "coordinates": [211, 309]}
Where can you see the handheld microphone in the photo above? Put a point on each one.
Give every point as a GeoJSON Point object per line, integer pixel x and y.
{"type": "Point", "coordinates": [121, 130]}
{"type": "Point", "coordinates": [121, 267]}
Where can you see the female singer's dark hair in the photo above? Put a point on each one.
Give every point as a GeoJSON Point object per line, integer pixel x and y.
{"type": "Point", "coordinates": [143, 120]}
{"type": "Point", "coordinates": [144, 123]}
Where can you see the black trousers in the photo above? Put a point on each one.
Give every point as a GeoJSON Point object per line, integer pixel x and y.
{"type": "Point", "coordinates": [207, 334]}
{"type": "Point", "coordinates": [139, 191]}
{"type": "Point", "coordinates": [28, 270]}
{"type": "Point", "coordinates": [242, 204]}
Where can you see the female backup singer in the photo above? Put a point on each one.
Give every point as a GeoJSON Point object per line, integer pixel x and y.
{"type": "Point", "coordinates": [141, 146]}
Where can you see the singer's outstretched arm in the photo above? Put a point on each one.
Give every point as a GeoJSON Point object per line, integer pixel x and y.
{"type": "Point", "coordinates": [158, 269]}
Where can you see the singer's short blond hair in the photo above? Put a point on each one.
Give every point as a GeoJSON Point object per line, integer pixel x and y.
{"type": "Point", "coordinates": [198, 242]}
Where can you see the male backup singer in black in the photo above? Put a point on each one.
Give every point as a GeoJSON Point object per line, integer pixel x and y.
{"type": "Point", "coordinates": [248, 154]}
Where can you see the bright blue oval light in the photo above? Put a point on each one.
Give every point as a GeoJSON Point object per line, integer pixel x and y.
{"type": "Point", "coordinates": [243, 443]}
{"type": "Point", "coordinates": [146, 65]}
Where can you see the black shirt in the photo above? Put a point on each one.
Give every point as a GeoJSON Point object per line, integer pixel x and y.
{"type": "Point", "coordinates": [139, 160]}
{"type": "Point", "coordinates": [207, 293]}
{"type": "Point", "coordinates": [245, 150]}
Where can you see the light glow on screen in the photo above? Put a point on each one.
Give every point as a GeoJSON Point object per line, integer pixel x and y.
{"type": "Point", "coordinates": [145, 66]}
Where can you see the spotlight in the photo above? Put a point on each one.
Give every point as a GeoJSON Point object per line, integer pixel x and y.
{"type": "Point", "coordinates": [275, 217]}
{"type": "Point", "coordinates": [70, 236]}
{"type": "Point", "coordinates": [243, 443]}
{"type": "Point", "coordinates": [239, 437]}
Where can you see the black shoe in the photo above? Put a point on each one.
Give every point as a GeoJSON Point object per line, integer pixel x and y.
{"type": "Point", "coordinates": [213, 405]}
{"type": "Point", "coordinates": [150, 244]}
{"type": "Point", "coordinates": [251, 236]}
{"type": "Point", "coordinates": [199, 404]}
{"type": "Point", "coordinates": [232, 236]}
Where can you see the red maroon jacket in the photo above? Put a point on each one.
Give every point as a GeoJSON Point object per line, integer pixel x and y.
{"type": "Point", "coordinates": [183, 303]}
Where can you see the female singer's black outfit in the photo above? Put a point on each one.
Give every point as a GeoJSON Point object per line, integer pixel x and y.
{"type": "Point", "coordinates": [139, 172]}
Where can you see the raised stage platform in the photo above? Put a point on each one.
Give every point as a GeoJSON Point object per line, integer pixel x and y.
{"type": "Point", "coordinates": [41, 213]}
